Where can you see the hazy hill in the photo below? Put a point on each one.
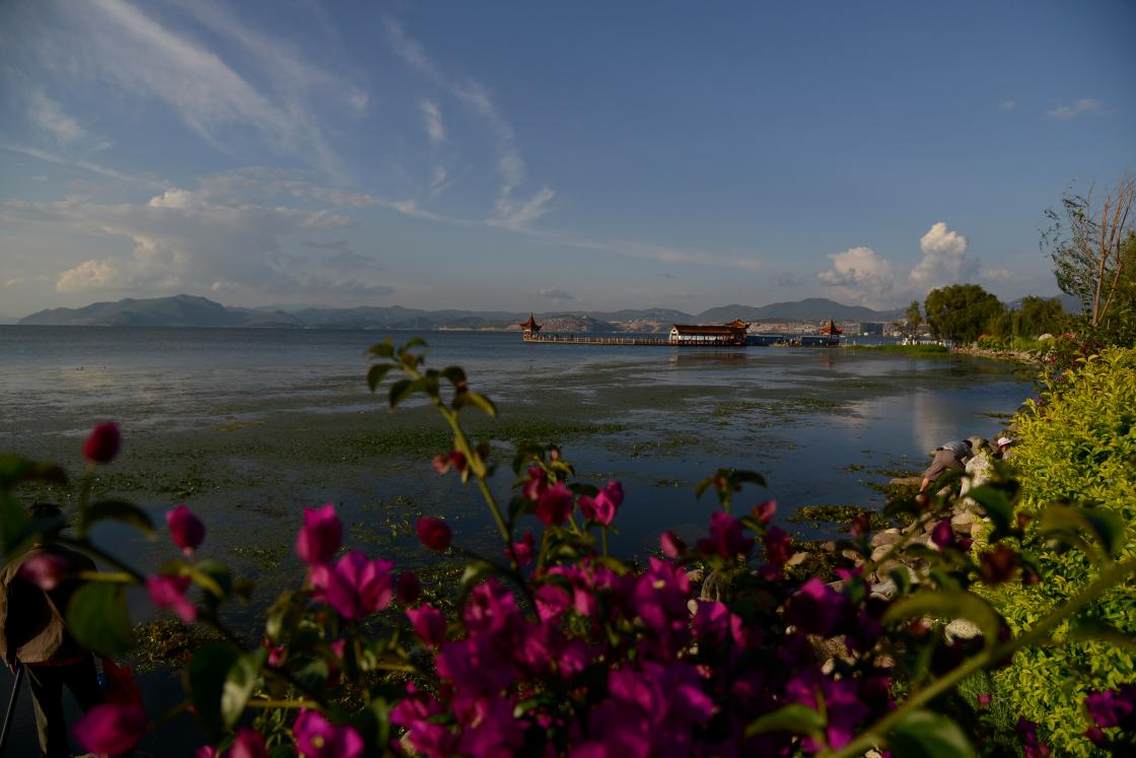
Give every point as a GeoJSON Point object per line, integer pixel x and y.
{"type": "Point", "coordinates": [188, 310]}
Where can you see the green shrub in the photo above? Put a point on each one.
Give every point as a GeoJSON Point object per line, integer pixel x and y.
{"type": "Point", "coordinates": [1078, 444]}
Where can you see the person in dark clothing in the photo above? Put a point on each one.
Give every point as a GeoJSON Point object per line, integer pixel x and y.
{"type": "Point", "coordinates": [34, 591]}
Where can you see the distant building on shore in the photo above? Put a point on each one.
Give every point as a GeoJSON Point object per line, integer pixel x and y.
{"type": "Point", "coordinates": [733, 333]}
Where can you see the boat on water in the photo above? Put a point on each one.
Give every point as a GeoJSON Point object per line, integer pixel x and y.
{"type": "Point", "coordinates": [732, 334]}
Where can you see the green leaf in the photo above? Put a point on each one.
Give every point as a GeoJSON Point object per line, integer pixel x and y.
{"type": "Point", "coordinates": [996, 505]}
{"type": "Point", "coordinates": [239, 684]}
{"type": "Point", "coordinates": [118, 510]}
{"type": "Point", "coordinates": [403, 389]}
{"type": "Point", "coordinates": [924, 734]}
{"type": "Point", "coordinates": [947, 605]}
{"type": "Point", "coordinates": [376, 374]}
{"type": "Point", "coordinates": [206, 675]}
{"type": "Point", "coordinates": [794, 718]}
{"type": "Point", "coordinates": [1103, 525]}
{"type": "Point", "coordinates": [743, 476]}
{"type": "Point", "coordinates": [282, 616]}
{"type": "Point", "coordinates": [14, 523]}
{"type": "Point", "coordinates": [15, 469]}
{"type": "Point", "coordinates": [1099, 631]}
{"type": "Point", "coordinates": [455, 374]}
{"type": "Point", "coordinates": [476, 399]}
{"type": "Point", "coordinates": [474, 573]}
{"type": "Point", "coordinates": [384, 349]}
{"type": "Point", "coordinates": [98, 618]}
{"type": "Point", "coordinates": [314, 674]}
{"type": "Point", "coordinates": [1109, 528]}
{"type": "Point", "coordinates": [411, 343]}
{"type": "Point", "coordinates": [214, 577]}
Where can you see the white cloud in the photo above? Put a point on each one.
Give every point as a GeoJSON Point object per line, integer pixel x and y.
{"type": "Point", "coordinates": [944, 259]}
{"type": "Point", "coordinates": [94, 168]}
{"type": "Point", "coordinates": [861, 274]}
{"type": "Point", "coordinates": [1008, 104]}
{"type": "Point", "coordinates": [999, 275]}
{"type": "Point", "coordinates": [49, 116]}
{"type": "Point", "coordinates": [557, 294]}
{"type": "Point", "coordinates": [432, 115]}
{"type": "Point", "coordinates": [1066, 112]}
{"type": "Point", "coordinates": [514, 216]}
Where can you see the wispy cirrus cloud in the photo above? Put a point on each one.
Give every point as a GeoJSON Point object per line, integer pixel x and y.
{"type": "Point", "coordinates": [432, 116]}
{"type": "Point", "coordinates": [511, 168]}
{"type": "Point", "coordinates": [49, 116]}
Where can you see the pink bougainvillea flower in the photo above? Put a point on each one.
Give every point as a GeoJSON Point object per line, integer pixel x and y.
{"type": "Point", "coordinates": [841, 700]}
{"type": "Point", "coordinates": [764, 511]}
{"type": "Point", "coordinates": [554, 505]}
{"type": "Point", "coordinates": [46, 569]}
{"type": "Point", "coordinates": [434, 533]}
{"type": "Point", "coordinates": [491, 730]}
{"type": "Point", "coordinates": [552, 601]}
{"type": "Point", "coordinates": [726, 538]}
{"type": "Point", "coordinates": [861, 524]}
{"type": "Point", "coordinates": [207, 751]}
{"type": "Point", "coordinates": [671, 545]}
{"type": "Point", "coordinates": [454, 459]}
{"type": "Point", "coordinates": [778, 546]}
{"type": "Point", "coordinates": [712, 622]}
{"type": "Point", "coordinates": [522, 550]}
{"type": "Point", "coordinates": [354, 586]}
{"type": "Point", "coordinates": [111, 729]}
{"type": "Point", "coordinates": [1111, 707]}
{"type": "Point", "coordinates": [984, 699]}
{"type": "Point", "coordinates": [103, 443]}
{"type": "Point", "coordinates": [427, 737]}
{"type": "Point", "coordinates": [121, 688]}
{"type": "Point", "coordinates": [492, 610]}
{"type": "Point", "coordinates": [536, 484]}
{"type": "Point", "coordinates": [602, 508]}
{"type": "Point", "coordinates": [1032, 747]}
{"type": "Point", "coordinates": [429, 624]}
{"type": "Point", "coordinates": [659, 599]}
{"type": "Point", "coordinates": [276, 654]}
{"type": "Point", "coordinates": [316, 737]}
{"type": "Point", "coordinates": [186, 530]}
{"type": "Point", "coordinates": [169, 592]}
{"type": "Point", "coordinates": [943, 535]}
{"type": "Point", "coordinates": [320, 535]}
{"type": "Point", "coordinates": [816, 608]}
{"type": "Point", "coordinates": [409, 588]}
{"type": "Point", "coordinates": [247, 744]}
{"type": "Point", "coordinates": [999, 564]}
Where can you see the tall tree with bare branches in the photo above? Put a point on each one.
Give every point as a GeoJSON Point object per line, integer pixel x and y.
{"type": "Point", "coordinates": [1090, 252]}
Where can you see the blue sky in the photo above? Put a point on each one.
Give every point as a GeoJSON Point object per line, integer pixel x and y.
{"type": "Point", "coordinates": [532, 156]}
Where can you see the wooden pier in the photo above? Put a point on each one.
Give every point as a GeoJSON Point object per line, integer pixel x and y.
{"type": "Point", "coordinates": [589, 339]}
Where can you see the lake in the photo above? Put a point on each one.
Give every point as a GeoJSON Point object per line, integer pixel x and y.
{"type": "Point", "coordinates": [249, 426]}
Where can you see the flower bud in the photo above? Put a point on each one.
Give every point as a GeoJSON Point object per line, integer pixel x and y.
{"type": "Point", "coordinates": [434, 533]}
{"type": "Point", "coordinates": [45, 570]}
{"type": "Point", "coordinates": [320, 535]}
{"type": "Point", "coordinates": [110, 729]}
{"type": "Point", "coordinates": [102, 444]}
{"type": "Point", "coordinates": [186, 529]}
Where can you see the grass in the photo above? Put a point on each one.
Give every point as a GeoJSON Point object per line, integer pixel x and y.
{"type": "Point", "coordinates": [841, 515]}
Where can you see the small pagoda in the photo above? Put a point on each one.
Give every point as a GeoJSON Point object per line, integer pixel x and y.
{"type": "Point", "coordinates": [831, 329]}
{"type": "Point", "coordinates": [529, 328]}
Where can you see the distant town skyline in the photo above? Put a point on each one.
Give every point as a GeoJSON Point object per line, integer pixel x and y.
{"type": "Point", "coordinates": [505, 156]}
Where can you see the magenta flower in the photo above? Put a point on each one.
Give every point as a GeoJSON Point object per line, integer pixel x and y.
{"type": "Point", "coordinates": [111, 729]}
{"type": "Point", "coordinates": [984, 699]}
{"type": "Point", "coordinates": [778, 546]}
{"type": "Point", "coordinates": [554, 505]}
{"type": "Point", "coordinates": [764, 511]}
{"type": "Point", "coordinates": [491, 730]}
{"type": "Point", "coordinates": [659, 600]}
{"type": "Point", "coordinates": [603, 506]}
{"type": "Point", "coordinates": [491, 610]}
{"type": "Point", "coordinates": [169, 592]}
{"type": "Point", "coordinates": [320, 535]}
{"type": "Point", "coordinates": [276, 654]}
{"type": "Point", "coordinates": [842, 702]}
{"type": "Point", "coordinates": [536, 485]}
{"type": "Point", "coordinates": [1032, 747]}
{"type": "Point", "coordinates": [943, 535]}
{"type": "Point", "coordinates": [523, 549]}
{"type": "Point", "coordinates": [816, 608]}
{"type": "Point", "coordinates": [247, 744]}
{"type": "Point", "coordinates": [186, 530]}
{"type": "Point", "coordinates": [46, 570]}
{"type": "Point", "coordinates": [434, 533]}
{"type": "Point", "coordinates": [552, 601]}
{"type": "Point", "coordinates": [429, 624]}
{"type": "Point", "coordinates": [671, 545]}
{"type": "Point", "coordinates": [1111, 707]}
{"type": "Point", "coordinates": [427, 737]}
{"type": "Point", "coordinates": [408, 588]}
{"type": "Point", "coordinates": [712, 622]}
{"type": "Point", "coordinates": [103, 443]}
{"type": "Point", "coordinates": [726, 538]}
{"type": "Point", "coordinates": [354, 586]}
{"type": "Point", "coordinates": [316, 737]}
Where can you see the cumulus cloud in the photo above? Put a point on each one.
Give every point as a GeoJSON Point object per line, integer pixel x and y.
{"type": "Point", "coordinates": [210, 238]}
{"type": "Point", "coordinates": [557, 294]}
{"type": "Point", "coordinates": [859, 273]}
{"type": "Point", "coordinates": [944, 259]}
{"type": "Point", "coordinates": [1082, 106]}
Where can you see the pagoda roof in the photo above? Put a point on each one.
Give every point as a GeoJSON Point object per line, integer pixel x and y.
{"type": "Point", "coordinates": [530, 324]}
{"type": "Point", "coordinates": [831, 328]}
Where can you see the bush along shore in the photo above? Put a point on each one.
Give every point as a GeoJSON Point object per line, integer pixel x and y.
{"type": "Point", "coordinates": [997, 620]}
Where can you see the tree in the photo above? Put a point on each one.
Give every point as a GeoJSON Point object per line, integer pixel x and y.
{"type": "Point", "coordinates": [913, 319]}
{"type": "Point", "coordinates": [961, 311]}
{"type": "Point", "coordinates": [1090, 252]}
{"type": "Point", "coordinates": [1040, 315]}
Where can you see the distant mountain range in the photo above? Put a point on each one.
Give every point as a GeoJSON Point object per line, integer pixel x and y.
{"type": "Point", "coordinates": [191, 311]}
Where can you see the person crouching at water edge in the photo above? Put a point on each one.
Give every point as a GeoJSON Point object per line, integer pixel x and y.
{"type": "Point", "coordinates": [34, 591]}
{"type": "Point", "coordinates": [952, 455]}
